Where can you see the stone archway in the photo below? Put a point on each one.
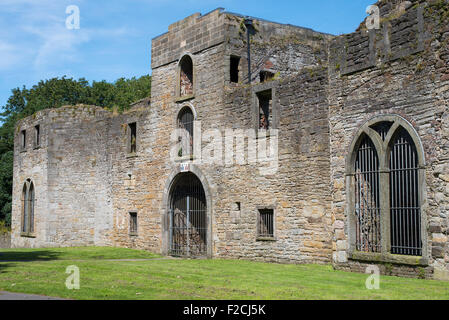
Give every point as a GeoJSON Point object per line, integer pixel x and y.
{"type": "Point", "coordinates": [187, 214]}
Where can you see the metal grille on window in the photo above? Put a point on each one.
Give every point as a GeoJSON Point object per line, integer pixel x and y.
{"type": "Point", "coordinates": [266, 223]}
{"type": "Point", "coordinates": [186, 121]}
{"type": "Point", "coordinates": [404, 197]}
{"type": "Point", "coordinates": [188, 217]}
{"type": "Point", "coordinates": [367, 204]}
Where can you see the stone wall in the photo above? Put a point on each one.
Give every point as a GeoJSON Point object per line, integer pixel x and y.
{"type": "Point", "coordinates": [408, 79]}
{"type": "Point", "coordinates": [281, 49]}
{"type": "Point", "coordinates": [192, 34]}
{"type": "Point", "coordinates": [299, 190]}
{"type": "Point", "coordinates": [5, 240]}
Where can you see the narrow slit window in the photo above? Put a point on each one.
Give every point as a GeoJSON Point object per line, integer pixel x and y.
{"type": "Point", "coordinates": [133, 223]}
{"type": "Point", "coordinates": [23, 139]}
{"type": "Point", "coordinates": [265, 228]}
{"type": "Point", "coordinates": [37, 136]}
{"type": "Point", "coordinates": [234, 71]}
{"type": "Point", "coordinates": [132, 137]}
{"type": "Point", "coordinates": [265, 109]}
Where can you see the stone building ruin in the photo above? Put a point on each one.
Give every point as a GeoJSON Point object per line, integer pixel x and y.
{"type": "Point", "coordinates": [362, 125]}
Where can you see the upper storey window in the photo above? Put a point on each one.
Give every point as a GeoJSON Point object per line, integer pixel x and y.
{"type": "Point", "coordinates": [186, 77]}
{"type": "Point", "coordinates": [23, 140]}
{"type": "Point", "coordinates": [37, 136]}
{"type": "Point", "coordinates": [234, 69]}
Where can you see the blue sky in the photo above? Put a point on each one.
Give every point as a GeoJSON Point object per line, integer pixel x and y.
{"type": "Point", "coordinates": [114, 39]}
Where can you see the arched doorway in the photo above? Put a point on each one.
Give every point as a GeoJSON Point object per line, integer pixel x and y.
{"type": "Point", "coordinates": [188, 217]}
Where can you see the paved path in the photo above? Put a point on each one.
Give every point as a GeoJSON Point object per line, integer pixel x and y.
{"type": "Point", "coordinates": [23, 296]}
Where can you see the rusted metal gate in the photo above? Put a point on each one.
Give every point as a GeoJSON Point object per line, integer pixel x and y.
{"type": "Point", "coordinates": [188, 217]}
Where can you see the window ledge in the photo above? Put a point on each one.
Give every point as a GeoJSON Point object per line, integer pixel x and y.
{"type": "Point", "coordinates": [131, 155]}
{"type": "Point", "coordinates": [133, 235]}
{"type": "Point", "coordinates": [185, 98]}
{"type": "Point", "coordinates": [389, 258]}
{"type": "Point", "coordinates": [266, 239]}
{"type": "Point", "coordinates": [27, 235]}
{"type": "Point", "coordinates": [36, 147]}
{"type": "Point", "coordinates": [23, 150]}
{"type": "Point", "coordinates": [184, 159]}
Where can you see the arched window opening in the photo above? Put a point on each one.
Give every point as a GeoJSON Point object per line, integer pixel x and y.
{"type": "Point", "coordinates": [188, 217]}
{"type": "Point", "coordinates": [28, 202]}
{"type": "Point", "coordinates": [405, 207]}
{"type": "Point", "coordinates": [186, 76]}
{"type": "Point", "coordinates": [31, 208]}
{"type": "Point", "coordinates": [386, 189]}
{"type": "Point", "coordinates": [185, 123]}
{"type": "Point", "coordinates": [25, 210]}
{"type": "Point", "coordinates": [367, 201]}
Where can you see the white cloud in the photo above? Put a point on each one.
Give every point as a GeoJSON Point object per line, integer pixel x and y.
{"type": "Point", "coordinates": [38, 36]}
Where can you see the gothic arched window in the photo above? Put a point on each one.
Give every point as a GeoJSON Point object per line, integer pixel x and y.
{"type": "Point", "coordinates": [28, 203]}
{"type": "Point", "coordinates": [385, 198]}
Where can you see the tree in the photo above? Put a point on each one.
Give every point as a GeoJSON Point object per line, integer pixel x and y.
{"type": "Point", "coordinates": [54, 93]}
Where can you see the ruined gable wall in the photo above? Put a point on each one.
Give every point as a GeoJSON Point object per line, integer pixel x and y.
{"type": "Point", "coordinates": [282, 49]}
{"type": "Point", "coordinates": [298, 192]}
{"type": "Point", "coordinates": [400, 69]}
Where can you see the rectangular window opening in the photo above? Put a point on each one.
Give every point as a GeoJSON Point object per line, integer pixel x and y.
{"type": "Point", "coordinates": [133, 223]}
{"type": "Point", "coordinates": [265, 228]}
{"type": "Point", "coordinates": [37, 136]}
{"type": "Point", "coordinates": [266, 76]}
{"type": "Point", "coordinates": [23, 140]}
{"type": "Point", "coordinates": [234, 70]}
{"type": "Point", "coordinates": [265, 109]}
{"type": "Point", "coordinates": [132, 137]}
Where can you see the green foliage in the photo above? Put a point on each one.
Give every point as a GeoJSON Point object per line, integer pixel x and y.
{"type": "Point", "coordinates": [55, 93]}
{"type": "Point", "coordinates": [3, 228]}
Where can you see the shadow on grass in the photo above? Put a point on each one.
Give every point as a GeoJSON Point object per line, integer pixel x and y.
{"type": "Point", "coordinates": [41, 255]}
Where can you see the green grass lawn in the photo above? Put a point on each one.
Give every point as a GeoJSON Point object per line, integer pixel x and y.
{"type": "Point", "coordinates": [44, 273]}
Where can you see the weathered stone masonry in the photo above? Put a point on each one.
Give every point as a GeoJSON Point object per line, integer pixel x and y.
{"type": "Point", "coordinates": [324, 89]}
